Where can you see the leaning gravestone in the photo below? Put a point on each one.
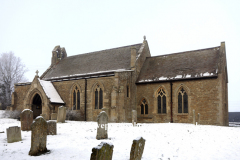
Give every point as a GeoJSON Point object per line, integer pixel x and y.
{"type": "Point", "coordinates": [39, 137]}
{"type": "Point", "coordinates": [61, 116]}
{"type": "Point", "coordinates": [14, 134]}
{"type": "Point", "coordinates": [52, 128]}
{"type": "Point", "coordinates": [134, 117]}
{"type": "Point", "coordinates": [102, 130]}
{"type": "Point", "coordinates": [54, 116]}
{"type": "Point", "coordinates": [137, 149]}
{"type": "Point", "coordinates": [26, 119]}
{"type": "Point", "coordinates": [103, 151]}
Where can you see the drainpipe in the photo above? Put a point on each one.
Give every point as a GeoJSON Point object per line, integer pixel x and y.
{"type": "Point", "coordinates": [85, 100]}
{"type": "Point", "coordinates": [171, 104]}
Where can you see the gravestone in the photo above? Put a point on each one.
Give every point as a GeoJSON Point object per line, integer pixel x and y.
{"type": "Point", "coordinates": [103, 151]}
{"type": "Point", "coordinates": [194, 120]}
{"type": "Point", "coordinates": [52, 128]}
{"type": "Point", "coordinates": [137, 149]}
{"type": "Point", "coordinates": [44, 116]}
{"type": "Point", "coordinates": [198, 118]}
{"type": "Point", "coordinates": [26, 119]}
{"type": "Point", "coordinates": [14, 134]}
{"type": "Point", "coordinates": [61, 116]}
{"type": "Point", "coordinates": [134, 117]}
{"type": "Point", "coordinates": [102, 130]}
{"type": "Point", "coordinates": [54, 116]}
{"type": "Point", "coordinates": [38, 137]}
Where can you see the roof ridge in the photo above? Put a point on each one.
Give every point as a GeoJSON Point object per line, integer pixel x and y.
{"type": "Point", "coordinates": [184, 52]}
{"type": "Point", "coordinates": [103, 50]}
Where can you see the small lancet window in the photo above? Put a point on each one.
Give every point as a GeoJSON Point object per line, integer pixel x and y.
{"type": "Point", "coordinates": [161, 100]}
{"type": "Point", "coordinates": [98, 98]}
{"type": "Point", "coordinates": [182, 101]}
{"type": "Point", "coordinates": [127, 90]}
{"type": "Point", "coordinates": [144, 107]}
{"type": "Point", "coordinates": [76, 99]}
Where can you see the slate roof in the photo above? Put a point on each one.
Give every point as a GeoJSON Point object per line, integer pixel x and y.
{"type": "Point", "coordinates": [95, 62]}
{"type": "Point", "coordinates": [180, 66]}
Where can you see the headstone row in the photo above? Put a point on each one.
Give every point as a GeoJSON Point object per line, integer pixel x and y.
{"type": "Point", "coordinates": [104, 150]}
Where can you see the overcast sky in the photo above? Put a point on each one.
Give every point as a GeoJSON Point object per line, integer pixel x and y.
{"type": "Point", "coordinates": [31, 29]}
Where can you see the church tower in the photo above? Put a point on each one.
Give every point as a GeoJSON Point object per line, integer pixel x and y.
{"type": "Point", "coordinates": [58, 54]}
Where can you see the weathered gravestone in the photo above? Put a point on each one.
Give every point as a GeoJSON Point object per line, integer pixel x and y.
{"type": "Point", "coordinates": [26, 119]}
{"type": "Point", "coordinates": [39, 137]}
{"type": "Point", "coordinates": [134, 117]}
{"type": "Point", "coordinates": [52, 128]}
{"type": "Point", "coordinates": [54, 116]}
{"type": "Point", "coordinates": [102, 130]}
{"type": "Point", "coordinates": [14, 134]}
{"type": "Point", "coordinates": [103, 151]}
{"type": "Point", "coordinates": [137, 149]}
{"type": "Point", "coordinates": [61, 116]}
{"type": "Point", "coordinates": [44, 116]}
{"type": "Point", "coordinates": [194, 119]}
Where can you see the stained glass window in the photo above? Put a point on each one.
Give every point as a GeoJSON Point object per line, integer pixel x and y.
{"type": "Point", "coordinates": [144, 107]}
{"type": "Point", "coordinates": [182, 101]}
{"type": "Point", "coordinates": [98, 98]}
{"type": "Point", "coordinates": [161, 100]}
{"type": "Point", "coordinates": [76, 99]}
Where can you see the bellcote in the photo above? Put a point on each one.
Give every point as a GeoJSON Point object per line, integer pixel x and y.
{"type": "Point", "coordinates": [58, 54]}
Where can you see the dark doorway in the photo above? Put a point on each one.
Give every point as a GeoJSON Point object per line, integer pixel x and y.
{"type": "Point", "coordinates": [36, 106]}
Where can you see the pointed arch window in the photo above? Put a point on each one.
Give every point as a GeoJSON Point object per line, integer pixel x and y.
{"type": "Point", "coordinates": [127, 90]}
{"type": "Point", "coordinates": [98, 98]}
{"type": "Point", "coordinates": [144, 107]}
{"type": "Point", "coordinates": [76, 99]}
{"type": "Point", "coordinates": [161, 100]}
{"type": "Point", "coordinates": [182, 101]}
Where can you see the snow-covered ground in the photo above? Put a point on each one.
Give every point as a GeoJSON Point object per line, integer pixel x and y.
{"type": "Point", "coordinates": [75, 140]}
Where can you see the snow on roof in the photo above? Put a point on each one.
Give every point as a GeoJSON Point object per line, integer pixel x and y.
{"type": "Point", "coordinates": [50, 91]}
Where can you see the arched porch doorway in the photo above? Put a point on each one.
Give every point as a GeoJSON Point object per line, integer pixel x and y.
{"type": "Point", "coordinates": [36, 106]}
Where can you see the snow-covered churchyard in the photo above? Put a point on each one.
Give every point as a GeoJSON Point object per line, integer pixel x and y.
{"type": "Point", "coordinates": [75, 140]}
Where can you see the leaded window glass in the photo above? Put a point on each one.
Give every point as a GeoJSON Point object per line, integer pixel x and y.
{"type": "Point", "coordinates": [161, 100]}
{"type": "Point", "coordinates": [76, 98]}
{"type": "Point", "coordinates": [182, 101]}
{"type": "Point", "coordinates": [98, 98]}
{"type": "Point", "coordinates": [144, 107]}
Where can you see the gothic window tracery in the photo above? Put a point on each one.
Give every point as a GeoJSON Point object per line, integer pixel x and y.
{"type": "Point", "coordinates": [144, 107]}
{"type": "Point", "coordinates": [76, 98]}
{"type": "Point", "coordinates": [98, 98]}
{"type": "Point", "coordinates": [182, 101]}
{"type": "Point", "coordinates": [161, 100]}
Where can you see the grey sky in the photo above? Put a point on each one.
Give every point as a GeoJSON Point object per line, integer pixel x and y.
{"type": "Point", "coordinates": [31, 29]}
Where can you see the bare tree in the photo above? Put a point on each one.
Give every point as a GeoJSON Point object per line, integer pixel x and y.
{"type": "Point", "coordinates": [12, 71]}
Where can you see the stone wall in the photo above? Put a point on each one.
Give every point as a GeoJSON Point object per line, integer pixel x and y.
{"type": "Point", "coordinates": [203, 97]}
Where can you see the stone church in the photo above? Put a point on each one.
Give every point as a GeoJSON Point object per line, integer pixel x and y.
{"type": "Point", "coordinates": [162, 89]}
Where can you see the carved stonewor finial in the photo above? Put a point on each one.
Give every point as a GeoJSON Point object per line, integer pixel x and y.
{"type": "Point", "coordinates": [144, 38]}
{"type": "Point", "coordinates": [37, 73]}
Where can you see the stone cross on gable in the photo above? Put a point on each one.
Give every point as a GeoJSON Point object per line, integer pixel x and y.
{"type": "Point", "coordinates": [37, 73]}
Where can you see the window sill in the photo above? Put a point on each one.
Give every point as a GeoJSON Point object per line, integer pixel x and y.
{"type": "Point", "coordinates": [182, 114]}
